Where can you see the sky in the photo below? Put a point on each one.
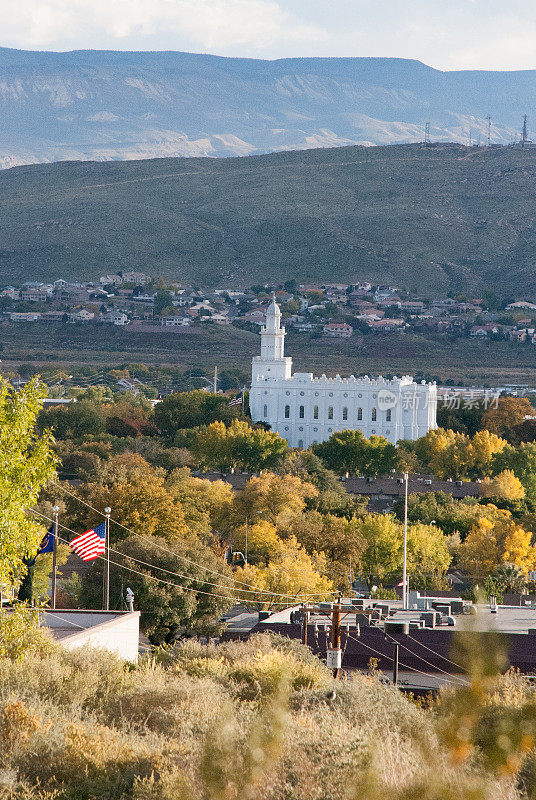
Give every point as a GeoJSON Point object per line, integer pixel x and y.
{"type": "Point", "coordinates": [446, 34]}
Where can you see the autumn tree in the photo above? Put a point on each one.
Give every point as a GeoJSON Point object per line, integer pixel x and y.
{"type": "Point", "coordinates": [505, 485]}
{"type": "Point", "coordinates": [27, 465]}
{"type": "Point", "coordinates": [522, 462]}
{"type": "Point", "coordinates": [262, 542]}
{"type": "Point", "coordinates": [291, 574]}
{"type": "Point", "coordinates": [274, 497]}
{"type": "Point", "coordinates": [204, 503]}
{"type": "Point", "coordinates": [138, 497]}
{"type": "Point", "coordinates": [509, 412]}
{"type": "Point", "coordinates": [382, 558]}
{"type": "Point", "coordinates": [238, 446]}
{"type": "Point", "coordinates": [491, 544]}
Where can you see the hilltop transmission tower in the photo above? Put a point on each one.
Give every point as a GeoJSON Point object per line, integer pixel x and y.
{"type": "Point", "coordinates": [489, 129]}
{"type": "Point", "coordinates": [524, 132]}
{"type": "Point", "coordinates": [427, 133]}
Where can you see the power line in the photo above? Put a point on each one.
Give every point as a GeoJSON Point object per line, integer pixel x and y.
{"type": "Point", "coordinates": [383, 655]}
{"type": "Point", "coordinates": [167, 550]}
{"type": "Point", "coordinates": [178, 574]}
{"type": "Point", "coordinates": [429, 663]}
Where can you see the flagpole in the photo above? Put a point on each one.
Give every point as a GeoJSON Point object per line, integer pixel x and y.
{"type": "Point", "coordinates": [404, 568]}
{"type": "Point", "coordinates": [106, 584]}
{"type": "Point", "coordinates": [55, 512]}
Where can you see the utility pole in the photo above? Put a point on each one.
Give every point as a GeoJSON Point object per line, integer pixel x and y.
{"type": "Point", "coordinates": [396, 648]}
{"type": "Point", "coordinates": [215, 380]}
{"type": "Point", "coordinates": [246, 549]}
{"type": "Point", "coordinates": [489, 129]}
{"type": "Point", "coordinates": [336, 653]}
{"type": "Point", "coordinates": [55, 512]}
{"type": "Point", "coordinates": [524, 134]}
{"type": "Point", "coordinates": [404, 567]}
{"type": "Point", "coordinates": [305, 623]}
{"type": "Point", "coordinates": [106, 582]}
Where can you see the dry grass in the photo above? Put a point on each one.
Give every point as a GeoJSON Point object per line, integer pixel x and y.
{"type": "Point", "coordinates": [251, 721]}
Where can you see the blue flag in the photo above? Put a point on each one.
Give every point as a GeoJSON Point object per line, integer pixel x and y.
{"type": "Point", "coordinates": [47, 542]}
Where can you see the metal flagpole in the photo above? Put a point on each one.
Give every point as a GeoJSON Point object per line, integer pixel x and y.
{"type": "Point", "coordinates": [106, 586]}
{"type": "Point", "coordinates": [55, 512]}
{"type": "Point", "coordinates": [404, 570]}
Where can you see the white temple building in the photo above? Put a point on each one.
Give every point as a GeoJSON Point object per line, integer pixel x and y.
{"type": "Point", "coordinates": [305, 410]}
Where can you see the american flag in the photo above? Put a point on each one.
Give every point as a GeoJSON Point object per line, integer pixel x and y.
{"type": "Point", "coordinates": [236, 401]}
{"type": "Point", "coordinates": [91, 544]}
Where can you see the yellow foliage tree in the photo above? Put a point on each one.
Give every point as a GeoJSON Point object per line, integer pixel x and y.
{"type": "Point", "coordinates": [491, 544]}
{"type": "Point", "coordinates": [274, 497]}
{"type": "Point", "coordinates": [484, 445]}
{"type": "Point", "coordinates": [291, 572]}
{"type": "Point", "coordinates": [504, 485]}
{"type": "Point", "coordinates": [262, 542]}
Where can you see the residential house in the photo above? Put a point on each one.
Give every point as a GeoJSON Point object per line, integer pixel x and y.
{"type": "Point", "coordinates": [175, 321]}
{"type": "Point", "coordinates": [24, 316]}
{"type": "Point", "coordinates": [412, 306]}
{"type": "Point", "coordinates": [481, 331]}
{"type": "Point", "coordinates": [339, 330]}
{"type": "Point", "coordinates": [35, 295]}
{"type": "Point", "coordinates": [83, 315]}
{"type": "Point", "coordinates": [139, 278]}
{"type": "Point", "coordinates": [387, 325]}
{"type": "Point", "coordinates": [118, 318]}
{"type": "Point", "coordinates": [107, 280]}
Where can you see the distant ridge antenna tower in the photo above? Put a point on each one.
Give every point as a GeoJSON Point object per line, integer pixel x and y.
{"type": "Point", "coordinates": [524, 133]}
{"type": "Point", "coordinates": [427, 133]}
{"type": "Point", "coordinates": [489, 129]}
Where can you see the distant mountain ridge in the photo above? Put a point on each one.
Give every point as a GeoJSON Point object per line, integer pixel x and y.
{"type": "Point", "coordinates": [107, 105]}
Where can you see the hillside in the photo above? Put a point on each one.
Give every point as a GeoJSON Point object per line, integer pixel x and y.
{"type": "Point", "coordinates": [106, 105]}
{"type": "Point", "coordinates": [430, 218]}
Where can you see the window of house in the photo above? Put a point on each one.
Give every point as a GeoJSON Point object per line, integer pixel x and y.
{"type": "Point", "coordinates": [302, 412]}
{"type": "Point", "coordinates": [388, 415]}
{"type": "Point", "coordinates": [330, 412]}
{"type": "Point", "coordinates": [360, 413]}
{"type": "Point", "coordinates": [287, 412]}
{"type": "Point", "coordinates": [345, 413]}
{"type": "Point", "coordinates": [315, 412]}
{"type": "Point", "coordinates": [300, 442]}
{"type": "Point", "coordinates": [265, 411]}
{"type": "Point", "coordinates": [374, 415]}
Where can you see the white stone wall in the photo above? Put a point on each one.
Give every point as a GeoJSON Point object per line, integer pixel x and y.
{"type": "Point", "coordinates": [304, 409]}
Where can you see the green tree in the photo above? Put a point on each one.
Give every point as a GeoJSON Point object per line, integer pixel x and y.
{"type": "Point", "coordinates": [522, 462]}
{"type": "Point", "coordinates": [75, 421]}
{"type": "Point", "coordinates": [27, 465]}
{"type": "Point", "coordinates": [169, 604]}
{"type": "Point", "coordinates": [349, 451]}
{"type": "Point", "coordinates": [192, 410]}
{"type": "Point", "coordinates": [162, 300]}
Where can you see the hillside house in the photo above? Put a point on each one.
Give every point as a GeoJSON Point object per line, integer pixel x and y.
{"type": "Point", "coordinates": [176, 321]}
{"type": "Point", "coordinates": [340, 330]}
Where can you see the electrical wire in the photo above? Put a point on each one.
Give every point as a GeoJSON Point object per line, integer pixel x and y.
{"type": "Point", "coordinates": [390, 658]}
{"type": "Point", "coordinates": [297, 598]}
{"type": "Point", "coordinates": [434, 652]}
{"type": "Point", "coordinates": [178, 574]}
{"type": "Point", "coordinates": [416, 655]}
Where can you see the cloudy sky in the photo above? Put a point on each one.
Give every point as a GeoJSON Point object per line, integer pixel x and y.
{"type": "Point", "coordinates": [447, 34]}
